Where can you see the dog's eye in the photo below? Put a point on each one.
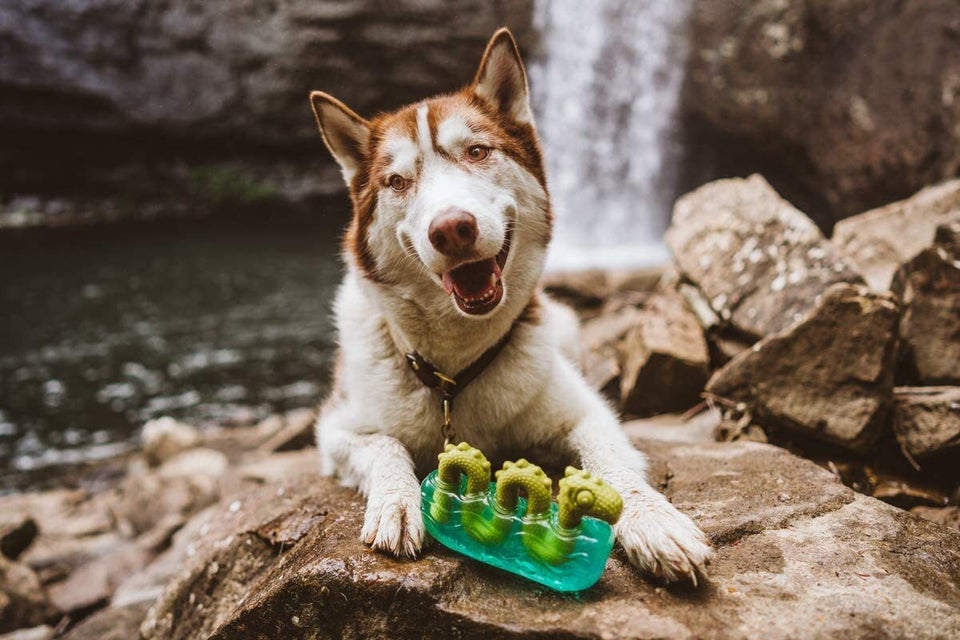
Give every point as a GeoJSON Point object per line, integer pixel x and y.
{"type": "Point", "coordinates": [477, 153]}
{"type": "Point", "coordinates": [398, 182]}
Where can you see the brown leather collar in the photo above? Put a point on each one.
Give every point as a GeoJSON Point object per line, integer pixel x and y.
{"type": "Point", "coordinates": [451, 386]}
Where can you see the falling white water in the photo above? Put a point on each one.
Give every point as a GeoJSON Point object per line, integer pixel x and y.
{"type": "Point", "coordinates": [606, 88]}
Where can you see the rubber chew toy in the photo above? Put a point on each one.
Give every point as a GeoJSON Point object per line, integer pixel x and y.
{"type": "Point", "coordinates": [513, 524]}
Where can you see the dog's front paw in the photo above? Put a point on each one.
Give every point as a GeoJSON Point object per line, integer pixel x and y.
{"type": "Point", "coordinates": [393, 522]}
{"type": "Point", "coordinates": [660, 540]}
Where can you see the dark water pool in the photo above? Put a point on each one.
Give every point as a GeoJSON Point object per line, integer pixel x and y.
{"type": "Point", "coordinates": [104, 328]}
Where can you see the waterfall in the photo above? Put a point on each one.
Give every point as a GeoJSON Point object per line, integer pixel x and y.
{"type": "Point", "coordinates": [606, 87]}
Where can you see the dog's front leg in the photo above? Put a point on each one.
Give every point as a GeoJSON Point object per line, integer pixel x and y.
{"type": "Point", "coordinates": [657, 538]}
{"type": "Point", "coordinates": [381, 468]}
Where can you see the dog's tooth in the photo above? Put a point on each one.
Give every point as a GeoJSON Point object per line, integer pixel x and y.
{"type": "Point", "coordinates": [493, 279]}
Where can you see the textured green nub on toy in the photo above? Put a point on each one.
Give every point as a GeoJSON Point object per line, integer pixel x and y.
{"type": "Point", "coordinates": [455, 462]}
{"type": "Point", "coordinates": [466, 460]}
{"type": "Point", "coordinates": [583, 494]}
{"type": "Point", "coordinates": [537, 487]}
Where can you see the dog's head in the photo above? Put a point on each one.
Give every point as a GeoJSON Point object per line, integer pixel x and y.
{"type": "Point", "coordinates": [450, 205]}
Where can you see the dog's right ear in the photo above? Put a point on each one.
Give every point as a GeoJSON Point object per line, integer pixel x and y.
{"type": "Point", "coordinates": [345, 133]}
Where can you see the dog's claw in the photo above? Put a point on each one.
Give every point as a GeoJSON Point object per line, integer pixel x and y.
{"type": "Point", "coordinates": [663, 542]}
{"type": "Point", "coordinates": [393, 523]}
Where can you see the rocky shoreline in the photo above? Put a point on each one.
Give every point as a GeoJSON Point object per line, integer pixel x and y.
{"type": "Point", "coordinates": [763, 332]}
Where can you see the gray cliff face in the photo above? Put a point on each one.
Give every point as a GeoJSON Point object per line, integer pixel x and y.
{"type": "Point", "coordinates": [855, 101]}
{"type": "Point", "coordinates": [235, 69]}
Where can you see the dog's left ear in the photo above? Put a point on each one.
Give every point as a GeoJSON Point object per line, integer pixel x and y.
{"type": "Point", "coordinates": [501, 80]}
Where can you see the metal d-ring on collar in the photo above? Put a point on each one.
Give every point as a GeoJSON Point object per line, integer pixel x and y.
{"type": "Point", "coordinates": [450, 386]}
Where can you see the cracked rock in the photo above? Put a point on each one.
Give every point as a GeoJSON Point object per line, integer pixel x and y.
{"type": "Point", "coordinates": [784, 530]}
{"type": "Point", "coordinates": [758, 261]}
{"type": "Point", "coordinates": [830, 377]}
{"type": "Point", "coordinates": [880, 240]}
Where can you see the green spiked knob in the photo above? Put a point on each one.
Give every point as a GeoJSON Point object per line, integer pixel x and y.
{"type": "Point", "coordinates": [531, 479]}
{"type": "Point", "coordinates": [583, 494]}
{"type": "Point", "coordinates": [454, 462]}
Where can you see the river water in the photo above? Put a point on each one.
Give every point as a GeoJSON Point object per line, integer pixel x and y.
{"type": "Point", "coordinates": [107, 327]}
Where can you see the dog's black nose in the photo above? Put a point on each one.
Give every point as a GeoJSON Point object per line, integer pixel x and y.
{"type": "Point", "coordinates": [453, 232]}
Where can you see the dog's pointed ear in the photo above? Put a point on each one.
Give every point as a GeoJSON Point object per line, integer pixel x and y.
{"type": "Point", "coordinates": [501, 80]}
{"type": "Point", "coordinates": [345, 133]}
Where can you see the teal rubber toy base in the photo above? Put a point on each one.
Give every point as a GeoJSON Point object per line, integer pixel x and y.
{"type": "Point", "coordinates": [577, 565]}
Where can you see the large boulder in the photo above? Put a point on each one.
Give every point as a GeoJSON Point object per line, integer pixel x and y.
{"type": "Point", "coordinates": [190, 70]}
{"type": "Point", "coordinates": [830, 377]}
{"type": "Point", "coordinates": [759, 263]}
{"type": "Point", "coordinates": [798, 555]}
{"type": "Point", "coordinates": [877, 242]}
{"type": "Point", "coordinates": [857, 101]}
{"type": "Point", "coordinates": [929, 286]}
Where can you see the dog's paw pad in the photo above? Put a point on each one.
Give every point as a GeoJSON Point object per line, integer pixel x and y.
{"type": "Point", "coordinates": [394, 524]}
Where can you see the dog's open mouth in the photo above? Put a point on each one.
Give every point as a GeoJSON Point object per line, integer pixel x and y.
{"type": "Point", "coordinates": [477, 287]}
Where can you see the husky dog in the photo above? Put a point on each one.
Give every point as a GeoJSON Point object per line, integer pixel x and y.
{"type": "Point", "coordinates": [451, 221]}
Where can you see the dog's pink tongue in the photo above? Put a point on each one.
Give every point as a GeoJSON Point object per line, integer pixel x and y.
{"type": "Point", "coordinates": [471, 280]}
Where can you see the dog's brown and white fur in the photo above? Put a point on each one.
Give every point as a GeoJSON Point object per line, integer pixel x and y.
{"type": "Point", "coordinates": [474, 151]}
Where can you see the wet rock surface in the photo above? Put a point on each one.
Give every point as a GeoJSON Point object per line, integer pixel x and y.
{"type": "Point", "coordinates": [823, 89]}
{"type": "Point", "coordinates": [286, 561]}
{"type": "Point", "coordinates": [829, 376]}
{"type": "Point", "coordinates": [758, 262]}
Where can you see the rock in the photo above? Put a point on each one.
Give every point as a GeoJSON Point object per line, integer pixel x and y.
{"type": "Point", "coordinates": [17, 532]}
{"type": "Point", "coordinates": [54, 557]}
{"type": "Point", "coordinates": [929, 286]}
{"type": "Point", "coordinates": [113, 623]}
{"type": "Point", "coordinates": [148, 499]}
{"type": "Point", "coordinates": [663, 358]}
{"type": "Point", "coordinates": [600, 338]}
{"type": "Point", "coordinates": [830, 377]}
{"type": "Point", "coordinates": [879, 241]}
{"type": "Point", "coordinates": [42, 632]}
{"type": "Point", "coordinates": [587, 291]}
{"type": "Point", "coordinates": [64, 512]}
{"type": "Point", "coordinates": [822, 89]}
{"type": "Point", "coordinates": [194, 464]}
{"type": "Point", "coordinates": [184, 72]}
{"type": "Point", "coordinates": [164, 438]}
{"type": "Point", "coordinates": [947, 516]}
{"type": "Point", "coordinates": [296, 433]}
{"type": "Point", "coordinates": [92, 584]}
{"type": "Point", "coordinates": [23, 602]}
{"type": "Point", "coordinates": [758, 262]}
{"type": "Point", "coordinates": [926, 420]}
{"type": "Point", "coordinates": [291, 565]}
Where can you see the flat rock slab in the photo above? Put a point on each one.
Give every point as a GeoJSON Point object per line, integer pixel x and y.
{"type": "Point", "coordinates": [829, 377]}
{"type": "Point", "coordinates": [758, 261]}
{"type": "Point", "coordinates": [798, 555]}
